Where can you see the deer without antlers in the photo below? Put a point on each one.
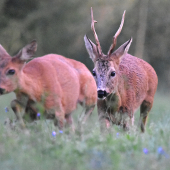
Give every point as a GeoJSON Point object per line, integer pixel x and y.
{"type": "Point", "coordinates": [124, 82]}
{"type": "Point", "coordinates": [58, 83]}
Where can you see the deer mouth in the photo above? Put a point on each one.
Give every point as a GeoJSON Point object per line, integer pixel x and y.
{"type": "Point", "coordinates": [102, 94]}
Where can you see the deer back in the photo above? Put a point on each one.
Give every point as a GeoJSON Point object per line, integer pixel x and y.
{"type": "Point", "coordinates": [53, 79]}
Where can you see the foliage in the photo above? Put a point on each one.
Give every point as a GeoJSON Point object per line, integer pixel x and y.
{"type": "Point", "coordinates": [59, 27]}
{"type": "Point", "coordinates": [39, 148]}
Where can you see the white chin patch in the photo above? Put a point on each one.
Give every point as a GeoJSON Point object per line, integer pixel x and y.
{"type": "Point", "coordinates": [102, 98]}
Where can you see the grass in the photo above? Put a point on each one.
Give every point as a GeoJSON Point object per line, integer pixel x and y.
{"type": "Point", "coordinates": [36, 148]}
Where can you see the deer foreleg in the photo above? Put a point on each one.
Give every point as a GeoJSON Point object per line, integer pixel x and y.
{"type": "Point", "coordinates": [19, 110]}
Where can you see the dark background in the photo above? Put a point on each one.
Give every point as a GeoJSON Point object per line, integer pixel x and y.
{"type": "Point", "coordinates": [59, 27]}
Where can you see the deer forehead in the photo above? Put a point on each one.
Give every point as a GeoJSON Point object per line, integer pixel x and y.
{"type": "Point", "coordinates": [103, 66]}
{"type": "Point", "coordinates": [4, 62]}
{"type": "Point", "coordinates": [7, 64]}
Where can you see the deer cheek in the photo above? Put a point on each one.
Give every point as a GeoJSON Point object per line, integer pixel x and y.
{"type": "Point", "coordinates": [112, 85]}
{"type": "Point", "coordinates": [109, 87]}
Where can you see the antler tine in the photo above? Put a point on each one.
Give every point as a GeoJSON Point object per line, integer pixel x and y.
{"type": "Point", "coordinates": [94, 32]}
{"type": "Point", "coordinates": [117, 34]}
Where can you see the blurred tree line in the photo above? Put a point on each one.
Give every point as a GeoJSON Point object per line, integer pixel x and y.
{"type": "Point", "coordinates": [59, 27]}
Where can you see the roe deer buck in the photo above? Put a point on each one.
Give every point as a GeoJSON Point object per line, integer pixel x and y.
{"type": "Point", "coordinates": [58, 83]}
{"type": "Point", "coordinates": [124, 82]}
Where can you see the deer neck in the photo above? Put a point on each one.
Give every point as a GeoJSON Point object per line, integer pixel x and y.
{"type": "Point", "coordinates": [29, 85]}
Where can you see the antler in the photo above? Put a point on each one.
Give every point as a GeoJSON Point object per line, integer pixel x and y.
{"type": "Point", "coordinates": [117, 34]}
{"type": "Point", "coordinates": [94, 32]}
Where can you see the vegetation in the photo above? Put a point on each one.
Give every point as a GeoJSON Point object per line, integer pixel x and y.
{"type": "Point", "coordinates": [40, 148]}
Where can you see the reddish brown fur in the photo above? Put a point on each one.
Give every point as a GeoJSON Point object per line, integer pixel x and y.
{"type": "Point", "coordinates": [58, 83]}
{"type": "Point", "coordinates": [124, 83]}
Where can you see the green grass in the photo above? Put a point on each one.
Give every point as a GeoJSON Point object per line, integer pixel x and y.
{"type": "Point", "coordinates": [37, 149]}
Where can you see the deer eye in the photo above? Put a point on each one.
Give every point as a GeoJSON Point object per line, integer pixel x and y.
{"type": "Point", "coordinates": [94, 73]}
{"type": "Point", "coordinates": [113, 73]}
{"type": "Point", "coordinates": [11, 72]}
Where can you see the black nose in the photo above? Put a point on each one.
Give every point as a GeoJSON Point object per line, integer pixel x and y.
{"type": "Point", "coordinates": [2, 91]}
{"type": "Point", "coordinates": [101, 94]}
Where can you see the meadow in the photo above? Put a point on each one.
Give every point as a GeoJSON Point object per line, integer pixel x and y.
{"type": "Point", "coordinates": [40, 148]}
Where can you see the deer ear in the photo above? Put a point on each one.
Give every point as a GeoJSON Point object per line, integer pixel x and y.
{"type": "Point", "coordinates": [123, 49]}
{"type": "Point", "coordinates": [91, 48]}
{"type": "Point", "coordinates": [3, 52]}
{"type": "Point", "coordinates": [119, 53]}
{"type": "Point", "coordinates": [27, 52]}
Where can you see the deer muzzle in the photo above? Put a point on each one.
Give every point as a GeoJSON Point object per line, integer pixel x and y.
{"type": "Point", "coordinates": [102, 94]}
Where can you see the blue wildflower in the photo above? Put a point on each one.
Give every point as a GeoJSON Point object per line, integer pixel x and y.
{"type": "Point", "coordinates": [38, 114]}
{"type": "Point", "coordinates": [6, 109]}
{"type": "Point", "coordinates": [117, 135]}
{"type": "Point", "coordinates": [160, 151]}
{"type": "Point", "coordinates": [54, 133]}
{"type": "Point", "coordinates": [60, 131]}
{"type": "Point", "coordinates": [145, 151]}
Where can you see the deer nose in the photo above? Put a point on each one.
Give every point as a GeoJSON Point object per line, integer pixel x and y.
{"type": "Point", "coordinates": [2, 91]}
{"type": "Point", "coordinates": [101, 94]}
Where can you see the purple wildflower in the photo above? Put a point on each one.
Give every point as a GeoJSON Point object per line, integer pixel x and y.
{"type": "Point", "coordinates": [160, 151]}
{"type": "Point", "coordinates": [145, 151]}
{"type": "Point", "coordinates": [54, 133]}
{"type": "Point", "coordinates": [117, 134]}
{"type": "Point", "coordinates": [60, 131]}
{"type": "Point", "coordinates": [38, 114]}
{"type": "Point", "coordinates": [6, 109]}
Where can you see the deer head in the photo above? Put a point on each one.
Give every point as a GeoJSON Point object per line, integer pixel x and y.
{"type": "Point", "coordinates": [10, 67]}
{"type": "Point", "coordinates": [106, 67]}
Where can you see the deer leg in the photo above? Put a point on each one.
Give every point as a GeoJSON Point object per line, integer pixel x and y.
{"type": "Point", "coordinates": [104, 121]}
{"type": "Point", "coordinates": [104, 118]}
{"type": "Point", "coordinates": [132, 121]}
{"type": "Point", "coordinates": [19, 111]}
{"type": "Point", "coordinates": [31, 112]}
{"type": "Point", "coordinates": [69, 122]}
{"type": "Point", "coordinates": [144, 111]}
{"type": "Point", "coordinates": [129, 122]}
{"type": "Point", "coordinates": [84, 116]}
{"type": "Point", "coordinates": [107, 123]}
{"type": "Point", "coordinates": [59, 119]}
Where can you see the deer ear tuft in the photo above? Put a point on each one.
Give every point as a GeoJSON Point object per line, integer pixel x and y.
{"type": "Point", "coordinates": [3, 52]}
{"type": "Point", "coordinates": [121, 51]}
{"type": "Point", "coordinates": [27, 52]}
{"type": "Point", "coordinates": [128, 45]}
{"type": "Point", "coordinates": [91, 48]}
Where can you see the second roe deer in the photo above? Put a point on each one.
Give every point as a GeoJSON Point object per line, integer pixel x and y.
{"type": "Point", "coordinates": [124, 82]}
{"type": "Point", "coordinates": [58, 83]}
